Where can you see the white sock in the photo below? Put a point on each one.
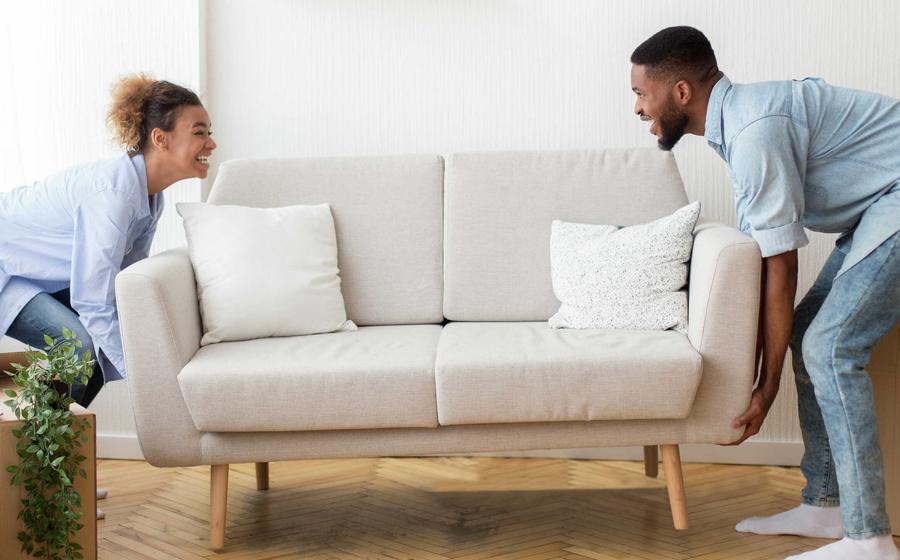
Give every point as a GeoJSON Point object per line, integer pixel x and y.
{"type": "Point", "coordinates": [803, 520]}
{"type": "Point", "coordinates": [874, 548]}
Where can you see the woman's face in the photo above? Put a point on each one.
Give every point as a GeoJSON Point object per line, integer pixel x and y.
{"type": "Point", "coordinates": [189, 143]}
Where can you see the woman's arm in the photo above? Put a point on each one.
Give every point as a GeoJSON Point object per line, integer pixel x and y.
{"type": "Point", "coordinates": [98, 249]}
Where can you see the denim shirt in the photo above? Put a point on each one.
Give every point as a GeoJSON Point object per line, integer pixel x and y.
{"type": "Point", "coordinates": [802, 153]}
{"type": "Point", "coordinates": [77, 229]}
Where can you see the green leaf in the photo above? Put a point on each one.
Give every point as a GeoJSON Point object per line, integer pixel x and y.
{"type": "Point", "coordinates": [48, 340]}
{"type": "Point", "coordinates": [10, 393]}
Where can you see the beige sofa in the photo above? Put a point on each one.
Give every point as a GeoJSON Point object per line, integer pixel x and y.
{"type": "Point", "coordinates": [445, 268]}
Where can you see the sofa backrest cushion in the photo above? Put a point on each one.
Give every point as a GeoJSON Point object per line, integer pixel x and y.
{"type": "Point", "coordinates": [498, 208]}
{"type": "Point", "coordinates": [387, 217]}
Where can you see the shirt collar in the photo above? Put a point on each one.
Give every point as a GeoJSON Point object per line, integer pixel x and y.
{"type": "Point", "coordinates": [713, 130]}
{"type": "Point", "coordinates": [148, 204]}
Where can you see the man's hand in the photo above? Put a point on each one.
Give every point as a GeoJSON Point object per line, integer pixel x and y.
{"type": "Point", "coordinates": [752, 418]}
{"type": "Point", "coordinates": [779, 285]}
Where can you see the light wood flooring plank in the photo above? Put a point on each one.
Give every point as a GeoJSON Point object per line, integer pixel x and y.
{"type": "Point", "coordinates": [457, 508]}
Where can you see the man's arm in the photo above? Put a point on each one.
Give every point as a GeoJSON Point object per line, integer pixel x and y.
{"type": "Point", "coordinates": [779, 287]}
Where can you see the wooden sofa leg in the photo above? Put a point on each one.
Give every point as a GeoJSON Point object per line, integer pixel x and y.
{"type": "Point", "coordinates": [262, 476]}
{"type": "Point", "coordinates": [218, 499]}
{"type": "Point", "coordinates": [651, 461]}
{"type": "Point", "coordinates": [675, 483]}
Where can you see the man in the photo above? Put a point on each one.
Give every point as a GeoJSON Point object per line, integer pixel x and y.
{"type": "Point", "coordinates": [803, 154]}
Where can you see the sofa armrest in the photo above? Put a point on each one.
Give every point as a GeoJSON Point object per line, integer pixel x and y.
{"type": "Point", "coordinates": [723, 314]}
{"type": "Point", "coordinates": [159, 316]}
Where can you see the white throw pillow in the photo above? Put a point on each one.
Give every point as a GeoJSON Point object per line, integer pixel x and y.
{"type": "Point", "coordinates": [264, 272]}
{"type": "Point", "coordinates": [622, 278]}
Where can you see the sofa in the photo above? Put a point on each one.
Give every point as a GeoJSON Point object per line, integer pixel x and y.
{"type": "Point", "coordinates": [445, 268]}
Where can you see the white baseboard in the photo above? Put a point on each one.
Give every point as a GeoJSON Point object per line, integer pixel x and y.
{"type": "Point", "coordinates": [113, 446]}
{"type": "Point", "coordinates": [750, 453]}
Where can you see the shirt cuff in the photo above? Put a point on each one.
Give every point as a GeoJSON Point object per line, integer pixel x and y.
{"type": "Point", "coordinates": [781, 239]}
{"type": "Point", "coordinates": [111, 371]}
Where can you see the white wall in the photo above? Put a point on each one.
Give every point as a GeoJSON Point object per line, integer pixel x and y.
{"type": "Point", "coordinates": [57, 62]}
{"type": "Point", "coordinates": [349, 77]}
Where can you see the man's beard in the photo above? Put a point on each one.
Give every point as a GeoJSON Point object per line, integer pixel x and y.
{"type": "Point", "coordinates": [672, 125]}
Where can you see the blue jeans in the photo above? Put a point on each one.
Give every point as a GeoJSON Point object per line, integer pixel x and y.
{"type": "Point", "coordinates": [835, 327]}
{"type": "Point", "coordinates": [49, 313]}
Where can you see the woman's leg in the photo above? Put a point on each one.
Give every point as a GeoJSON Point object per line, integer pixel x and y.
{"type": "Point", "coordinates": [48, 314]}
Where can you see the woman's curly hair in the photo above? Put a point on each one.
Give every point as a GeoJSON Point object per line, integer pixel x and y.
{"type": "Point", "coordinates": [140, 104]}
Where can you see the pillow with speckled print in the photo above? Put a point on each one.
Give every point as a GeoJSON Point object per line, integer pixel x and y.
{"type": "Point", "coordinates": [607, 277]}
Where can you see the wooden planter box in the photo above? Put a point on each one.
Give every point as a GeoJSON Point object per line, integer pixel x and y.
{"type": "Point", "coordinates": [10, 496]}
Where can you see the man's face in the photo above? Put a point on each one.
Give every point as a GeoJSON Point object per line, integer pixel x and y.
{"type": "Point", "coordinates": [656, 103]}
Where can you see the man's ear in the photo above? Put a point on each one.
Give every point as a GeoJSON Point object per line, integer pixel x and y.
{"type": "Point", "coordinates": [159, 139]}
{"type": "Point", "coordinates": [684, 92]}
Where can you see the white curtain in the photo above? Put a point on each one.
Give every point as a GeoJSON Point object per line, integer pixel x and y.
{"type": "Point", "coordinates": [10, 152]}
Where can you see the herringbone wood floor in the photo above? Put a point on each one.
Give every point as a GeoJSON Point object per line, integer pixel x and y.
{"type": "Point", "coordinates": [445, 508]}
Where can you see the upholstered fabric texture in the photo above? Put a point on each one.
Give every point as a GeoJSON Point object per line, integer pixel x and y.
{"type": "Point", "coordinates": [528, 372]}
{"type": "Point", "coordinates": [159, 316]}
{"type": "Point", "coordinates": [387, 216]}
{"type": "Point", "coordinates": [498, 208]}
{"type": "Point", "coordinates": [634, 277]}
{"type": "Point", "coordinates": [264, 271]}
{"type": "Point", "coordinates": [376, 377]}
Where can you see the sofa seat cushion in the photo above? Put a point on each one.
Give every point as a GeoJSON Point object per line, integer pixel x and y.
{"type": "Point", "coordinates": [528, 372]}
{"type": "Point", "coordinates": [376, 377]}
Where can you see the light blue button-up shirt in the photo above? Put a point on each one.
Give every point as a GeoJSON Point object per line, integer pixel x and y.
{"type": "Point", "coordinates": [803, 153]}
{"type": "Point", "coordinates": [77, 229]}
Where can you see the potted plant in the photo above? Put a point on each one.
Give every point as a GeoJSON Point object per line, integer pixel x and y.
{"type": "Point", "coordinates": [47, 445]}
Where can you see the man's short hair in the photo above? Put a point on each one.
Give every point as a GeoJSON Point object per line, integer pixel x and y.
{"type": "Point", "coordinates": [677, 53]}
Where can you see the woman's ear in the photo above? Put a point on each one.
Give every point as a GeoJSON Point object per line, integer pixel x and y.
{"type": "Point", "coordinates": [159, 139]}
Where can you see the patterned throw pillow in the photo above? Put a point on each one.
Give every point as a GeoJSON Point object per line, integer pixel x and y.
{"type": "Point", "coordinates": [633, 277]}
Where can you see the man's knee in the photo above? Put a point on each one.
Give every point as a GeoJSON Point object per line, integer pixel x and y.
{"type": "Point", "coordinates": [830, 348]}
{"type": "Point", "coordinates": [817, 345]}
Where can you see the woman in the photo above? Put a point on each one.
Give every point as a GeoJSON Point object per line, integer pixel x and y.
{"type": "Point", "coordinates": [64, 239]}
